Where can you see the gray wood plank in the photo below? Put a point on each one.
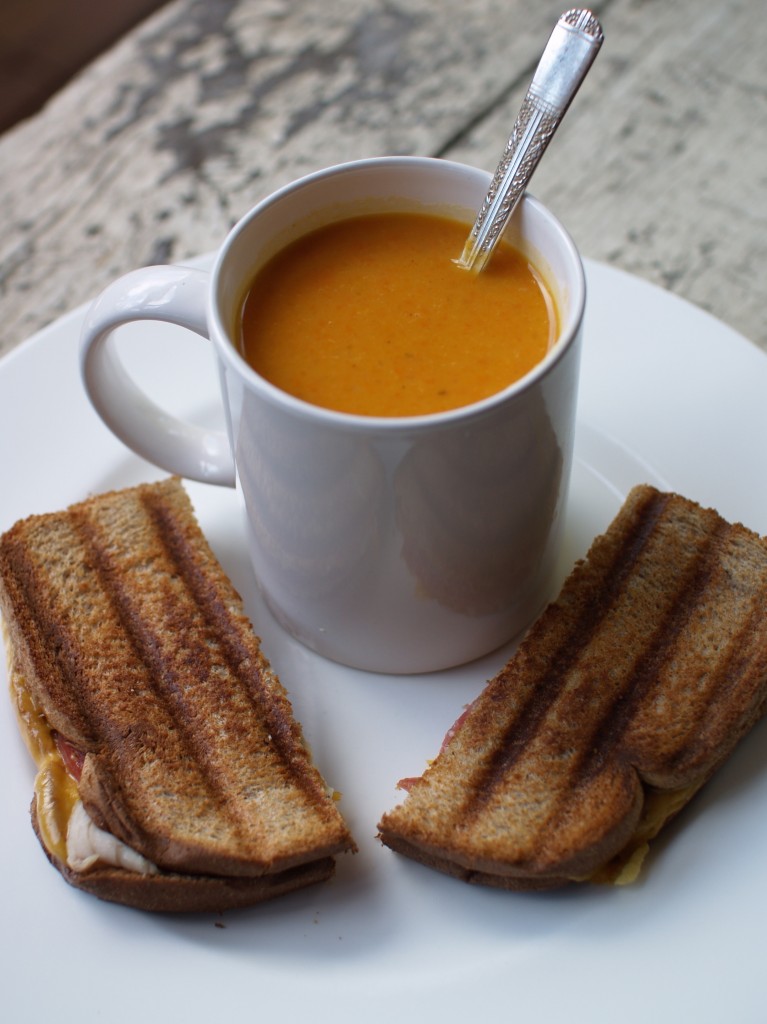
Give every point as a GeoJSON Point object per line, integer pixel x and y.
{"type": "Point", "coordinates": [160, 145]}
{"type": "Point", "coordinates": [660, 167]}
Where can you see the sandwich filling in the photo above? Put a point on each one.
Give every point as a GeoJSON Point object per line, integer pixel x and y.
{"type": "Point", "coordinates": [66, 828]}
{"type": "Point", "coordinates": [660, 806]}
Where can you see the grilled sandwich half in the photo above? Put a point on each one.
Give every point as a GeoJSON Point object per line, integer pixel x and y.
{"type": "Point", "coordinates": [623, 699]}
{"type": "Point", "coordinates": [172, 774]}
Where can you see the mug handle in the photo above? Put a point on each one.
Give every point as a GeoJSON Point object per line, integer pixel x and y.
{"type": "Point", "coordinates": [172, 294]}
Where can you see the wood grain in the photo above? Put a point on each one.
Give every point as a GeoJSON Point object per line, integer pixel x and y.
{"type": "Point", "coordinates": [157, 147]}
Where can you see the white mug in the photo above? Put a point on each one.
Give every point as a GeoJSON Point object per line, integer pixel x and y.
{"type": "Point", "coordinates": [397, 545]}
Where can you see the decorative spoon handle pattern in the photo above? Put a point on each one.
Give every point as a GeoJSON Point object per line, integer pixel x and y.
{"type": "Point", "coordinates": [569, 54]}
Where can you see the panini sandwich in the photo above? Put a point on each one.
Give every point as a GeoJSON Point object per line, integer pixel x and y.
{"type": "Point", "coordinates": [172, 775]}
{"type": "Point", "coordinates": [623, 699]}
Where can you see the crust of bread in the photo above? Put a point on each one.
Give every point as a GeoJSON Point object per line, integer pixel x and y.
{"type": "Point", "coordinates": [174, 892]}
{"type": "Point", "coordinates": [640, 678]}
{"type": "Point", "coordinates": [135, 646]}
{"type": "Point", "coordinates": [512, 883]}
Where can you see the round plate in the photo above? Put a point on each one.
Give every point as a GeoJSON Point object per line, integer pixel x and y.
{"type": "Point", "coordinates": [669, 396]}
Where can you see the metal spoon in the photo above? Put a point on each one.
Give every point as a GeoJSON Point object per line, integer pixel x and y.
{"type": "Point", "coordinates": [569, 54]}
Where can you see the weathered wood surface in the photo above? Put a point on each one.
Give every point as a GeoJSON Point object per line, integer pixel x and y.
{"type": "Point", "coordinates": [160, 145]}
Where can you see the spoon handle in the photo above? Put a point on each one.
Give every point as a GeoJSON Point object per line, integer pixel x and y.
{"type": "Point", "coordinates": [569, 54]}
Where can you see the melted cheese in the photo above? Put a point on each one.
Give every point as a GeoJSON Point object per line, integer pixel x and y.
{"type": "Point", "coordinates": [66, 829]}
{"type": "Point", "coordinates": [56, 795]}
{"type": "Point", "coordinates": [659, 807]}
{"type": "Point", "coordinates": [34, 729]}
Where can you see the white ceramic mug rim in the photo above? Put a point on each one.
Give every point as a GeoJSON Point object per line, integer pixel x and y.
{"type": "Point", "coordinates": [391, 424]}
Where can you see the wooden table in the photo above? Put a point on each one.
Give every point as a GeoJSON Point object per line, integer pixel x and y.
{"type": "Point", "coordinates": [153, 151]}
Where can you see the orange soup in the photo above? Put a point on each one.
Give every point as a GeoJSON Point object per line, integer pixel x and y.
{"type": "Point", "coordinates": [372, 316]}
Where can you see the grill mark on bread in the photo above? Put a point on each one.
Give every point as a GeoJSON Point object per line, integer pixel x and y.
{"type": "Point", "coordinates": [239, 653]}
{"type": "Point", "coordinates": [111, 733]}
{"type": "Point", "coordinates": [609, 728]}
{"type": "Point", "coordinates": [609, 700]}
{"type": "Point", "coordinates": [121, 612]}
{"type": "Point", "coordinates": [160, 677]}
{"type": "Point", "coordinates": [30, 598]}
{"type": "Point", "coordinates": [518, 735]}
{"type": "Point", "coordinates": [190, 606]}
{"type": "Point", "coordinates": [692, 586]}
{"type": "Point", "coordinates": [734, 666]}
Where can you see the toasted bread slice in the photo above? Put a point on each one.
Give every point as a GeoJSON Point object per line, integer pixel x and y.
{"type": "Point", "coordinates": [130, 643]}
{"type": "Point", "coordinates": [622, 700]}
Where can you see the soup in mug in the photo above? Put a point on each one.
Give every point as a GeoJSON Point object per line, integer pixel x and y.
{"type": "Point", "coordinates": [371, 316]}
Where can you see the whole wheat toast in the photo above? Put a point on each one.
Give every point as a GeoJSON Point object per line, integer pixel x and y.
{"type": "Point", "coordinates": [622, 700]}
{"type": "Point", "coordinates": [132, 643]}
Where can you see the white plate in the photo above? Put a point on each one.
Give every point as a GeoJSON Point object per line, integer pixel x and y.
{"type": "Point", "coordinates": [668, 396]}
